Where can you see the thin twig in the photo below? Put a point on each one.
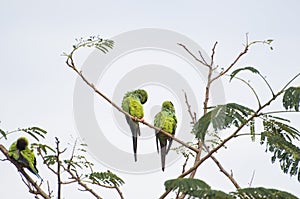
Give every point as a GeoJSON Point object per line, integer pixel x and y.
{"type": "Point", "coordinates": [235, 61]}
{"type": "Point", "coordinates": [192, 115]}
{"type": "Point", "coordinates": [58, 169]}
{"type": "Point", "coordinates": [228, 175]}
{"type": "Point", "coordinates": [81, 183]}
{"type": "Point", "coordinates": [287, 84]}
{"type": "Point", "coordinates": [252, 178]}
{"type": "Point", "coordinates": [185, 162]}
{"type": "Point", "coordinates": [198, 60]}
{"type": "Point", "coordinates": [72, 155]}
{"type": "Point", "coordinates": [265, 80]}
{"type": "Point", "coordinates": [202, 57]}
{"type": "Point", "coordinates": [49, 189]}
{"type": "Point", "coordinates": [252, 89]}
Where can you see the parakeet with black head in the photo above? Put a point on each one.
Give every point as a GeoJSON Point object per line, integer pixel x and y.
{"type": "Point", "coordinates": [133, 104]}
{"type": "Point", "coordinates": [20, 151]}
{"type": "Point", "coordinates": [165, 120]}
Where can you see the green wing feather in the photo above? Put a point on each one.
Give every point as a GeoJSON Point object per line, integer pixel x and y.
{"type": "Point", "coordinates": [29, 160]}
{"type": "Point", "coordinates": [13, 151]}
{"type": "Point", "coordinates": [167, 121]}
{"type": "Point", "coordinates": [133, 104]}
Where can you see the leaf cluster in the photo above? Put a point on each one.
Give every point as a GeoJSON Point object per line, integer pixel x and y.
{"type": "Point", "coordinates": [94, 41]}
{"type": "Point", "coordinates": [291, 98]}
{"type": "Point", "coordinates": [279, 138]}
{"type": "Point", "coordinates": [221, 117]}
{"type": "Point", "coordinates": [196, 188]}
{"type": "Point", "coordinates": [35, 132]}
{"type": "Point", "coordinates": [107, 178]}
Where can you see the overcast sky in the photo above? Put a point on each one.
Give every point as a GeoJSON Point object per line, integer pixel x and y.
{"type": "Point", "coordinates": [37, 87]}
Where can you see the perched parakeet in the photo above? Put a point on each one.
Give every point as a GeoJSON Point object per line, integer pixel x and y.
{"type": "Point", "coordinates": [167, 121]}
{"type": "Point", "coordinates": [20, 152]}
{"type": "Point", "coordinates": [133, 104]}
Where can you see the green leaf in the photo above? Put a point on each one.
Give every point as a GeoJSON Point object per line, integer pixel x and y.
{"type": "Point", "coordinates": [42, 147]}
{"type": "Point", "coordinates": [249, 68]}
{"type": "Point", "coordinates": [3, 134]}
{"type": "Point", "coordinates": [261, 193]}
{"type": "Point", "coordinates": [221, 117]}
{"type": "Point", "coordinates": [35, 132]}
{"type": "Point", "coordinates": [50, 159]}
{"type": "Point", "coordinates": [94, 41]}
{"type": "Point", "coordinates": [185, 184]}
{"type": "Point", "coordinates": [195, 188]}
{"type": "Point", "coordinates": [252, 129]}
{"type": "Point", "coordinates": [107, 178]}
{"type": "Point", "coordinates": [291, 98]}
{"type": "Point", "coordinates": [279, 139]}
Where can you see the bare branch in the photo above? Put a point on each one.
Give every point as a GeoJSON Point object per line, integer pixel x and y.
{"type": "Point", "coordinates": [192, 115]}
{"type": "Point", "coordinates": [213, 55]}
{"type": "Point", "coordinates": [198, 60]}
{"type": "Point", "coordinates": [228, 175]}
{"type": "Point", "coordinates": [58, 169]}
{"type": "Point", "coordinates": [235, 61]}
{"type": "Point", "coordinates": [77, 178]}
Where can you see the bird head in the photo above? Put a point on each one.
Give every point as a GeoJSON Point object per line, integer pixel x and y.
{"type": "Point", "coordinates": [142, 95]}
{"type": "Point", "coordinates": [22, 143]}
{"type": "Point", "coordinates": [168, 105]}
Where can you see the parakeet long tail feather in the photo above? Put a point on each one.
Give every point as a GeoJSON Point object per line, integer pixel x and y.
{"type": "Point", "coordinates": [157, 140]}
{"type": "Point", "coordinates": [169, 146]}
{"type": "Point", "coordinates": [163, 157]}
{"type": "Point", "coordinates": [135, 130]}
{"type": "Point", "coordinates": [163, 153]}
{"type": "Point", "coordinates": [157, 147]}
{"type": "Point", "coordinates": [134, 142]}
{"type": "Point", "coordinates": [35, 173]}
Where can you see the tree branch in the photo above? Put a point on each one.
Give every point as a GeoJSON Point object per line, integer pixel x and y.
{"type": "Point", "coordinates": [71, 64]}
{"type": "Point", "coordinates": [229, 176]}
{"type": "Point", "coordinates": [199, 161]}
{"type": "Point", "coordinates": [77, 178]}
{"type": "Point", "coordinates": [235, 61]}
{"type": "Point", "coordinates": [37, 189]}
{"type": "Point", "coordinates": [58, 169]}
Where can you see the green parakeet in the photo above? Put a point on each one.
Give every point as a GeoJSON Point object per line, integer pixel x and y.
{"type": "Point", "coordinates": [133, 104]}
{"type": "Point", "coordinates": [20, 152]}
{"type": "Point", "coordinates": [167, 121]}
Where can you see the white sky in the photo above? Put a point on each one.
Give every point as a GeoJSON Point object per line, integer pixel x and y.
{"type": "Point", "coordinates": [37, 87]}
